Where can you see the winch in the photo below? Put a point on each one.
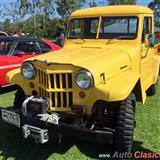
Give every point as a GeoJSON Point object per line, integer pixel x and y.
{"type": "Point", "coordinates": [40, 135]}
{"type": "Point", "coordinates": [34, 105]}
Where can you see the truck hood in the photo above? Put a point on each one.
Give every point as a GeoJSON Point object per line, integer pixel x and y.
{"type": "Point", "coordinates": [98, 60]}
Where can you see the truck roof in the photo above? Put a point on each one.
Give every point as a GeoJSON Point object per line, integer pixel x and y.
{"type": "Point", "coordinates": [109, 10]}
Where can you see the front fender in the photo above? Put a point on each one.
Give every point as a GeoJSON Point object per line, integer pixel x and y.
{"type": "Point", "coordinates": [15, 77]}
{"type": "Point", "coordinates": [119, 87]}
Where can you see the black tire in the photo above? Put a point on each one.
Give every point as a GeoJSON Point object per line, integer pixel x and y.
{"type": "Point", "coordinates": [19, 98]}
{"type": "Point", "coordinates": [124, 125]}
{"type": "Point", "coordinates": [151, 90]}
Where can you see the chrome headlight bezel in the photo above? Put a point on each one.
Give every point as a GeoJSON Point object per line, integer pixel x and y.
{"type": "Point", "coordinates": [86, 75]}
{"type": "Point", "coordinates": [30, 69]}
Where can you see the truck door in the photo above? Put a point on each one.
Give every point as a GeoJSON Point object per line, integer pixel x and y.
{"type": "Point", "coordinates": [147, 54]}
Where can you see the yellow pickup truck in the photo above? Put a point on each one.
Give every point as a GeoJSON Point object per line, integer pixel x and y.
{"type": "Point", "coordinates": [89, 88]}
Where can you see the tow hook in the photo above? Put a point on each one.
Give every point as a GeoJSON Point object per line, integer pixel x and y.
{"type": "Point", "coordinates": [40, 135]}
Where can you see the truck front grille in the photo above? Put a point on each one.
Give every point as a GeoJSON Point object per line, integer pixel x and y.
{"type": "Point", "coordinates": [58, 87]}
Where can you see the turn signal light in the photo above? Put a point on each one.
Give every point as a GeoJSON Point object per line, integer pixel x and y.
{"type": "Point", "coordinates": [31, 84]}
{"type": "Point", "coordinates": [82, 94]}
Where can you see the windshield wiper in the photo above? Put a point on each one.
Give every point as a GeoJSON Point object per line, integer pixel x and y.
{"type": "Point", "coordinates": [78, 41]}
{"type": "Point", "coordinates": [118, 37]}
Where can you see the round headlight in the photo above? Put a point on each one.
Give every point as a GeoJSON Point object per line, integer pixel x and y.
{"type": "Point", "coordinates": [84, 79]}
{"type": "Point", "coordinates": [28, 70]}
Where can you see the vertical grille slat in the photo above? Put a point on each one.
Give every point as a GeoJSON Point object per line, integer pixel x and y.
{"type": "Point", "coordinates": [58, 88]}
{"type": "Point", "coordinates": [50, 98]}
{"type": "Point", "coordinates": [67, 99]}
{"type": "Point", "coordinates": [43, 78]}
{"type": "Point", "coordinates": [39, 76]}
{"type": "Point", "coordinates": [54, 80]}
{"type": "Point", "coordinates": [60, 81]}
{"type": "Point", "coordinates": [55, 99]}
{"type": "Point", "coordinates": [66, 76]}
{"type": "Point", "coordinates": [48, 82]}
{"type": "Point", "coordinates": [61, 96]}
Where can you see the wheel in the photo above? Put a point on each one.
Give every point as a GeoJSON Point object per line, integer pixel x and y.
{"type": "Point", "coordinates": [151, 90]}
{"type": "Point", "coordinates": [124, 124]}
{"type": "Point", "coordinates": [19, 98]}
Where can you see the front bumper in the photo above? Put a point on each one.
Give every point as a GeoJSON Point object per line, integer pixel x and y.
{"type": "Point", "coordinates": [65, 130]}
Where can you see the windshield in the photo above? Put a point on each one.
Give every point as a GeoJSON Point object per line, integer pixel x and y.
{"type": "Point", "coordinates": [83, 28]}
{"type": "Point", "coordinates": [5, 46]}
{"type": "Point", "coordinates": [110, 27]}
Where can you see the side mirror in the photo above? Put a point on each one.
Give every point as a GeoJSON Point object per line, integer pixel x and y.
{"type": "Point", "coordinates": [146, 40]}
{"type": "Point", "coordinates": [149, 40]}
{"type": "Point", "coordinates": [21, 53]}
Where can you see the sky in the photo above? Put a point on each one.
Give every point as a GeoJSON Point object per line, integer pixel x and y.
{"type": "Point", "coordinates": [100, 3]}
{"type": "Point", "coordinates": [144, 2]}
{"type": "Point", "coordinates": [139, 2]}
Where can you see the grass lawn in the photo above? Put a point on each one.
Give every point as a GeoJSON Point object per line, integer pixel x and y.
{"type": "Point", "coordinates": [13, 146]}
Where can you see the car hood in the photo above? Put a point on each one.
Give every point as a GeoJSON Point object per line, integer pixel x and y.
{"type": "Point", "coordinates": [96, 59]}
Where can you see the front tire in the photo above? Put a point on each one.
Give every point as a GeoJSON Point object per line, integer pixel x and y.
{"type": "Point", "coordinates": [19, 99]}
{"type": "Point", "coordinates": [124, 125]}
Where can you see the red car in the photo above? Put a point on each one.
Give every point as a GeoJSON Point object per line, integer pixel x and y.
{"type": "Point", "coordinates": [14, 50]}
{"type": "Point", "coordinates": [157, 41]}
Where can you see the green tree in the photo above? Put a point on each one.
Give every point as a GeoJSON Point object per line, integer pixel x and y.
{"type": "Point", "coordinates": [11, 12]}
{"type": "Point", "coordinates": [155, 6]}
{"type": "Point", "coordinates": [66, 7]}
{"type": "Point", "coordinates": [93, 3]}
{"type": "Point", "coordinates": [23, 7]}
{"type": "Point", "coordinates": [39, 10]}
{"type": "Point", "coordinates": [8, 26]}
{"type": "Point", "coordinates": [55, 25]}
{"type": "Point", "coordinates": [46, 8]}
{"type": "Point", "coordinates": [121, 2]}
